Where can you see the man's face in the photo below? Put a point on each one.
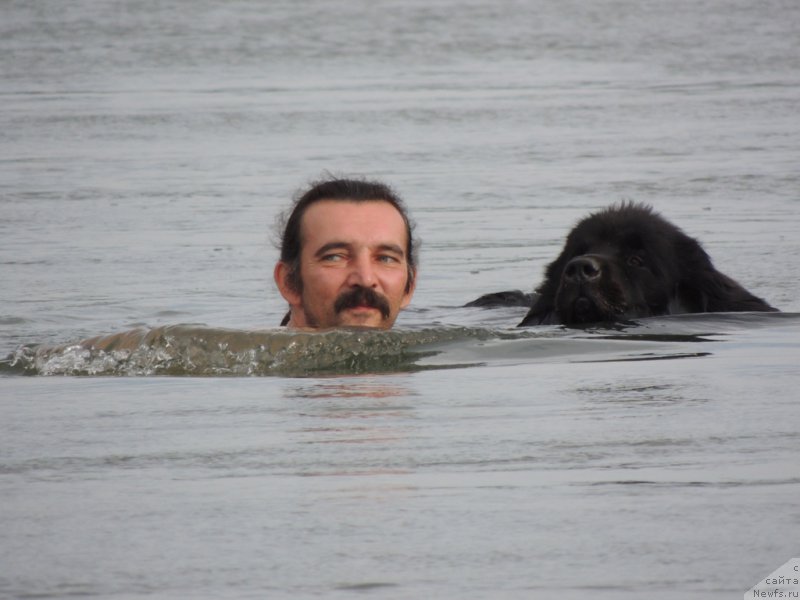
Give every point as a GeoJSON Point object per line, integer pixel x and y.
{"type": "Point", "coordinates": [353, 266]}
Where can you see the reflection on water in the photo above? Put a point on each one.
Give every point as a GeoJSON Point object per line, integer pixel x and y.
{"type": "Point", "coordinates": [348, 388]}
{"type": "Point", "coordinates": [352, 416]}
{"type": "Point", "coordinates": [649, 392]}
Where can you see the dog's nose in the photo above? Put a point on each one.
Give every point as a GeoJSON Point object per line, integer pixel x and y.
{"type": "Point", "coordinates": [583, 268]}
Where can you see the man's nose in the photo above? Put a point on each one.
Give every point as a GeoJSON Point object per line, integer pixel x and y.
{"type": "Point", "coordinates": [362, 272]}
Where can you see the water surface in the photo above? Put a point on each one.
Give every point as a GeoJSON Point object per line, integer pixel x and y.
{"type": "Point", "coordinates": [145, 151]}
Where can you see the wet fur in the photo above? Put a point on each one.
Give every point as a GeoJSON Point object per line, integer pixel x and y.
{"type": "Point", "coordinates": [627, 262]}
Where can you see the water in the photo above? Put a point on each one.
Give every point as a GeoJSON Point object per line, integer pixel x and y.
{"type": "Point", "coordinates": [145, 151]}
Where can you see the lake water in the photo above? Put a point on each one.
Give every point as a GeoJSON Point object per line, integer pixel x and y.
{"type": "Point", "coordinates": [146, 149]}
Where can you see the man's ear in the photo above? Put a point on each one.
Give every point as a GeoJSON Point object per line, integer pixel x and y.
{"type": "Point", "coordinates": [281, 275]}
{"type": "Point", "coordinates": [410, 292]}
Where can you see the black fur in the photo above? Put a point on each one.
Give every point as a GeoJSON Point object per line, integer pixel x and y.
{"type": "Point", "coordinates": [507, 298]}
{"type": "Point", "coordinates": [628, 262]}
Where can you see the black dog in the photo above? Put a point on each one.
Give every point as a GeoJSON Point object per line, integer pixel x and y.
{"type": "Point", "coordinates": [627, 262]}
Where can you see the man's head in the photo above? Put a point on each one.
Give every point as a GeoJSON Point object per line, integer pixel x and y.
{"type": "Point", "coordinates": [347, 256]}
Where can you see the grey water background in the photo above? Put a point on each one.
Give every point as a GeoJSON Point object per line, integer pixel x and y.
{"type": "Point", "coordinates": [145, 151]}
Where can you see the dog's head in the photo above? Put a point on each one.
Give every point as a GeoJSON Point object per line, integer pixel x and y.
{"type": "Point", "coordinates": [621, 263]}
{"type": "Point", "coordinates": [627, 262]}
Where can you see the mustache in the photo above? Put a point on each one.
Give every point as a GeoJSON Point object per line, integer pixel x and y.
{"type": "Point", "coordinates": [361, 296]}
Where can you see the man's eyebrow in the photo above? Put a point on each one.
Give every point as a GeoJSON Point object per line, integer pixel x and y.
{"type": "Point", "coordinates": [340, 245]}
{"type": "Point", "coordinates": [392, 248]}
{"type": "Point", "coordinates": [325, 248]}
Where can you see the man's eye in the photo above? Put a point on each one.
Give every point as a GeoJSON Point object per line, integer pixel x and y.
{"type": "Point", "coordinates": [333, 257]}
{"type": "Point", "coordinates": [388, 259]}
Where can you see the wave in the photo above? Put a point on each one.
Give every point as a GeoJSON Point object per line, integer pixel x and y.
{"type": "Point", "coordinates": [191, 350]}
{"type": "Point", "coordinates": [194, 350]}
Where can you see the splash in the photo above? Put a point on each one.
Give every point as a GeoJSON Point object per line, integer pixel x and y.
{"type": "Point", "coordinates": [190, 350]}
{"type": "Point", "coordinates": [202, 351]}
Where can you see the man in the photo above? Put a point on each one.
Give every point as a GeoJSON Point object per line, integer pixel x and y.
{"type": "Point", "coordinates": [347, 256]}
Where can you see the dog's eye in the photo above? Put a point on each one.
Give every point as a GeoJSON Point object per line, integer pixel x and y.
{"type": "Point", "coordinates": [635, 261]}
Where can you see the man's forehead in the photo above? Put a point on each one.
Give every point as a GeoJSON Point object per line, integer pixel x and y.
{"type": "Point", "coordinates": [347, 204]}
{"type": "Point", "coordinates": [363, 218]}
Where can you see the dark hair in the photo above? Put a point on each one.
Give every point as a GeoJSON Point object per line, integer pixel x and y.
{"type": "Point", "coordinates": [343, 190]}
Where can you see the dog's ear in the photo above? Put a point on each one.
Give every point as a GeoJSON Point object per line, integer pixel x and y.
{"type": "Point", "coordinates": [702, 288]}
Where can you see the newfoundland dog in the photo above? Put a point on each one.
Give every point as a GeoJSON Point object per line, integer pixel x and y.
{"type": "Point", "coordinates": [627, 262]}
